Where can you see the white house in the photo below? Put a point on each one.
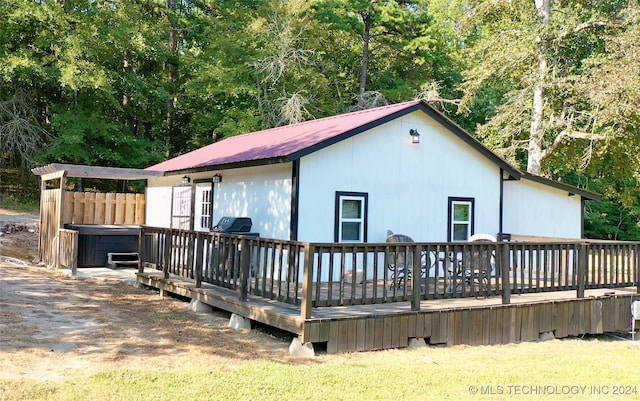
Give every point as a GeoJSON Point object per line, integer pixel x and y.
{"type": "Point", "coordinates": [351, 177]}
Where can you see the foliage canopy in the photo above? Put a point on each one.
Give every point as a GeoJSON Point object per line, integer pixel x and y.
{"type": "Point", "coordinates": [551, 85]}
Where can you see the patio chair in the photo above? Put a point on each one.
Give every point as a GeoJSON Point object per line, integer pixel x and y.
{"type": "Point", "coordinates": [635, 315]}
{"type": "Point", "coordinates": [399, 261]}
{"type": "Point", "coordinates": [478, 265]}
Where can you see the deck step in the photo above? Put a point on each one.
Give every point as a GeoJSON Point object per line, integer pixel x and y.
{"type": "Point", "coordinates": [124, 259]}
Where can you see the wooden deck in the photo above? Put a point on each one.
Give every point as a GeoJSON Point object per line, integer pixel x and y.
{"type": "Point", "coordinates": [449, 321]}
{"type": "Point", "coordinates": [360, 297]}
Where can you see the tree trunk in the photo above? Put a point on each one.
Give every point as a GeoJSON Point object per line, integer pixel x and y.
{"type": "Point", "coordinates": [127, 68]}
{"type": "Point", "coordinates": [172, 73]}
{"type": "Point", "coordinates": [536, 132]}
{"type": "Point", "coordinates": [366, 39]}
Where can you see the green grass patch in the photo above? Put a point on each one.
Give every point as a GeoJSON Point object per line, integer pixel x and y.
{"type": "Point", "coordinates": [567, 369]}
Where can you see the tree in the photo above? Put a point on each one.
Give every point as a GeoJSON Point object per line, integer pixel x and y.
{"type": "Point", "coordinates": [21, 136]}
{"type": "Point", "coordinates": [284, 70]}
{"type": "Point", "coordinates": [542, 108]}
{"type": "Point", "coordinates": [399, 48]}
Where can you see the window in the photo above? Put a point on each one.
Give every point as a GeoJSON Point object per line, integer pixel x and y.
{"type": "Point", "coordinates": [460, 219]}
{"type": "Point", "coordinates": [351, 217]}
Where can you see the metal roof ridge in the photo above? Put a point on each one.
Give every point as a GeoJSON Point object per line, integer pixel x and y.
{"type": "Point", "coordinates": [327, 118]}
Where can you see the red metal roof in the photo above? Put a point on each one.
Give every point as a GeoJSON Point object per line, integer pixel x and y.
{"type": "Point", "coordinates": [291, 142]}
{"type": "Point", "coordinates": [287, 142]}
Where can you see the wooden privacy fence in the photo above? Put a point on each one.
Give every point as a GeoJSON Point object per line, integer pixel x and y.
{"type": "Point", "coordinates": [103, 208]}
{"type": "Point", "coordinates": [94, 207]}
{"type": "Point", "coordinates": [316, 275]}
{"type": "Point", "coordinates": [58, 207]}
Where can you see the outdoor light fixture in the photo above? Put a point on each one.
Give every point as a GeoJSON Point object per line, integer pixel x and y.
{"type": "Point", "coordinates": [415, 136]}
{"type": "Point", "coordinates": [216, 178]}
{"type": "Point", "coordinates": [186, 180]}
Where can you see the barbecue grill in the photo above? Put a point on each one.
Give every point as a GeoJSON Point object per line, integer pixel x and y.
{"type": "Point", "coordinates": [234, 225]}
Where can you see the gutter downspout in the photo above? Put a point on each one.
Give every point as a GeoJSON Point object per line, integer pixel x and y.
{"type": "Point", "coordinates": [582, 207]}
{"type": "Point", "coordinates": [501, 207]}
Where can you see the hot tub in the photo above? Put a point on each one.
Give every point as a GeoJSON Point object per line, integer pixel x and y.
{"type": "Point", "coordinates": [96, 240]}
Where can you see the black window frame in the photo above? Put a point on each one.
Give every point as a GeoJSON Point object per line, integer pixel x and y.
{"type": "Point", "coordinates": [338, 219]}
{"type": "Point", "coordinates": [450, 202]}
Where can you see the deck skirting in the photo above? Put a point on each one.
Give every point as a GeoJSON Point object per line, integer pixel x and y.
{"type": "Point", "coordinates": [386, 326]}
{"type": "Point", "coordinates": [482, 325]}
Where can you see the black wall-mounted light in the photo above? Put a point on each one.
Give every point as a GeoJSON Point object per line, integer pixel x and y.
{"type": "Point", "coordinates": [216, 178]}
{"type": "Point", "coordinates": [186, 180]}
{"type": "Point", "coordinates": [415, 136]}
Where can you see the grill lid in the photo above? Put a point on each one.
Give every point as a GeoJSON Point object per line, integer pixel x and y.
{"type": "Point", "coordinates": [233, 225]}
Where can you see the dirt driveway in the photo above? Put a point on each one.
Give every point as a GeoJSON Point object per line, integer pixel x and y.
{"type": "Point", "coordinates": [53, 327]}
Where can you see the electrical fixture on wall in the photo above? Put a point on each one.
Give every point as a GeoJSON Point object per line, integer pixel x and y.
{"type": "Point", "coordinates": [216, 178]}
{"type": "Point", "coordinates": [186, 180]}
{"type": "Point", "coordinates": [415, 136]}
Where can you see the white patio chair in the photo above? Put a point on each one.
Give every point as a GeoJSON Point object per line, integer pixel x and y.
{"type": "Point", "coordinates": [635, 315]}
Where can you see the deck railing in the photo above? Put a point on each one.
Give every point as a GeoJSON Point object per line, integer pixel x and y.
{"type": "Point", "coordinates": [247, 264]}
{"type": "Point", "coordinates": [319, 275]}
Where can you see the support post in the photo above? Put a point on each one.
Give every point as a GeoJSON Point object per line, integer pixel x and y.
{"type": "Point", "coordinates": [245, 252]}
{"type": "Point", "coordinates": [505, 273]}
{"type": "Point", "coordinates": [581, 269]}
{"type": "Point", "coordinates": [197, 271]}
{"type": "Point", "coordinates": [636, 265]}
{"type": "Point", "coordinates": [75, 237]}
{"type": "Point", "coordinates": [416, 278]}
{"type": "Point", "coordinates": [167, 252]}
{"type": "Point", "coordinates": [307, 284]}
{"type": "Point", "coordinates": [141, 250]}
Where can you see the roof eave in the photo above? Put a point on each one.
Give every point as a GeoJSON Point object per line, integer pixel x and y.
{"type": "Point", "coordinates": [227, 166]}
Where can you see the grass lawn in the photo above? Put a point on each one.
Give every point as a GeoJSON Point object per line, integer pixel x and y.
{"type": "Point", "coordinates": [601, 368]}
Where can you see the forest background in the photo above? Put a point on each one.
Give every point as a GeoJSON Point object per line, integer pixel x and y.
{"type": "Point", "coordinates": [552, 86]}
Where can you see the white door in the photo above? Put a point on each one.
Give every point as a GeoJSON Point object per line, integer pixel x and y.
{"type": "Point", "coordinates": [202, 217]}
{"type": "Point", "coordinates": [181, 207]}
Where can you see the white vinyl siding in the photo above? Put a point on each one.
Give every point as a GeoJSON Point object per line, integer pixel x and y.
{"type": "Point", "coordinates": [261, 193]}
{"type": "Point", "coordinates": [408, 184]}
{"type": "Point", "coordinates": [534, 209]}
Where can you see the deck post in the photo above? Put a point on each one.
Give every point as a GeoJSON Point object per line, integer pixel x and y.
{"type": "Point", "coordinates": [416, 282]}
{"type": "Point", "coordinates": [197, 271]}
{"type": "Point", "coordinates": [167, 252]}
{"type": "Point", "coordinates": [245, 251]}
{"type": "Point", "coordinates": [505, 273]}
{"type": "Point", "coordinates": [581, 269]}
{"type": "Point", "coordinates": [141, 250]}
{"type": "Point", "coordinates": [636, 265]}
{"type": "Point", "coordinates": [307, 283]}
